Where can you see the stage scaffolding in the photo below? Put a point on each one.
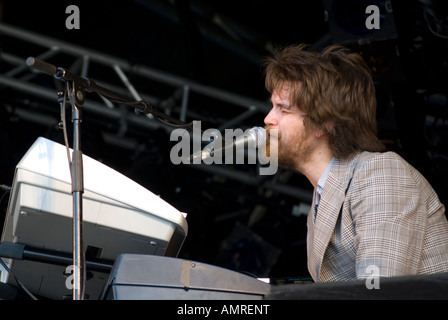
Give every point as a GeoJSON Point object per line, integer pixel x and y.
{"type": "Point", "coordinates": [239, 111]}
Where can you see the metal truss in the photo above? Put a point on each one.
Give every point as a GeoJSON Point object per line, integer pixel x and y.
{"type": "Point", "coordinates": [176, 96]}
{"type": "Point", "coordinates": [83, 60]}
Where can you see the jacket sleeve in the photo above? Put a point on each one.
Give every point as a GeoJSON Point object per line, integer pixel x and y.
{"type": "Point", "coordinates": [389, 216]}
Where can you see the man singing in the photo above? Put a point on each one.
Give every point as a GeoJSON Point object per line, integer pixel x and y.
{"type": "Point", "coordinates": [370, 207]}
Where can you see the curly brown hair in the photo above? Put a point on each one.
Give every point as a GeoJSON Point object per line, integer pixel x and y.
{"type": "Point", "coordinates": [334, 88]}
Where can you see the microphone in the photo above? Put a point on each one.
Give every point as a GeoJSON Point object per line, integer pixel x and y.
{"type": "Point", "coordinates": [40, 65]}
{"type": "Point", "coordinates": [255, 137]}
{"type": "Point", "coordinates": [57, 73]}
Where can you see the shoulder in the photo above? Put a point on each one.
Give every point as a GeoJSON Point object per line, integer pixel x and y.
{"type": "Point", "coordinates": [374, 158]}
{"type": "Point", "coordinates": [374, 169]}
{"type": "Point", "coordinates": [386, 162]}
{"type": "Point", "coordinates": [391, 164]}
{"type": "Point", "coordinates": [368, 162]}
{"type": "Point", "coordinates": [388, 169]}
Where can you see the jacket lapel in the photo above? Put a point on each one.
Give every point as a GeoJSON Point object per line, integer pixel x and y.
{"type": "Point", "coordinates": [321, 229]}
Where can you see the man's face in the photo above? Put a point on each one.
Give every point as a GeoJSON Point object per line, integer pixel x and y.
{"type": "Point", "coordinates": [285, 125]}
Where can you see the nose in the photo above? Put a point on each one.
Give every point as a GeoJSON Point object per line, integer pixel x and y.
{"type": "Point", "coordinates": [270, 119]}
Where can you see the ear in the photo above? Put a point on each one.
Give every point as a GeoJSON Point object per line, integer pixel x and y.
{"type": "Point", "coordinates": [319, 133]}
{"type": "Point", "coordinates": [328, 127]}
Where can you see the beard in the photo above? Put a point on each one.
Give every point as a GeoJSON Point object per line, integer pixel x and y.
{"type": "Point", "coordinates": [289, 152]}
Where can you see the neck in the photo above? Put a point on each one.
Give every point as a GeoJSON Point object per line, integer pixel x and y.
{"type": "Point", "coordinates": [316, 165]}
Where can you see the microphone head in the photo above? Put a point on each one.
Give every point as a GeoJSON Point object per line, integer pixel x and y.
{"type": "Point", "coordinates": [252, 138]}
{"type": "Point", "coordinates": [258, 135]}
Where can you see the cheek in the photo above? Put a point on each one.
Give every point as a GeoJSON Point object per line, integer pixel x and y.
{"type": "Point", "coordinates": [290, 130]}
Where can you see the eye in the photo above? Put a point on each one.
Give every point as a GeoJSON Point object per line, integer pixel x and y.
{"type": "Point", "coordinates": [284, 109]}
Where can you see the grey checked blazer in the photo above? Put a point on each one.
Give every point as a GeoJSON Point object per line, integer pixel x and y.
{"type": "Point", "coordinates": [376, 210]}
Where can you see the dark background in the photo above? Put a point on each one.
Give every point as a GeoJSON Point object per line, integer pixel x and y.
{"type": "Point", "coordinates": [252, 225]}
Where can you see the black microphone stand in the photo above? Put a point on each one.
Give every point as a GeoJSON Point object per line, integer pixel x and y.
{"type": "Point", "coordinates": [78, 86]}
{"type": "Point", "coordinates": [77, 175]}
